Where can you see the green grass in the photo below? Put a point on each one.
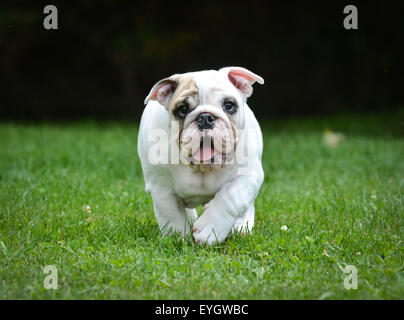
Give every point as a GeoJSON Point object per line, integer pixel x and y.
{"type": "Point", "coordinates": [342, 205]}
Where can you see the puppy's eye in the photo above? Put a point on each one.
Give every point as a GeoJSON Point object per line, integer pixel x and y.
{"type": "Point", "coordinates": [182, 111]}
{"type": "Point", "coordinates": [230, 107]}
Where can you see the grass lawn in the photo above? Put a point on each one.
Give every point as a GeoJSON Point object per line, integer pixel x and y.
{"type": "Point", "coordinates": [342, 205]}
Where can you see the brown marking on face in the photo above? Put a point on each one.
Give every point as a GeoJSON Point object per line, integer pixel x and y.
{"type": "Point", "coordinates": [186, 90]}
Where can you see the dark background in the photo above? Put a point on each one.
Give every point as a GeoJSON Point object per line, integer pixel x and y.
{"type": "Point", "coordinates": [106, 55]}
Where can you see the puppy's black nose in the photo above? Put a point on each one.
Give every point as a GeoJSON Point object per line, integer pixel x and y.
{"type": "Point", "coordinates": [205, 121]}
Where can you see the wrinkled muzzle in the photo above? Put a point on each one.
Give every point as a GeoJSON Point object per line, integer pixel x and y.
{"type": "Point", "coordinates": [208, 146]}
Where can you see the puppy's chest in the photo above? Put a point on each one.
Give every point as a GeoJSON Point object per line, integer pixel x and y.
{"type": "Point", "coordinates": [196, 188]}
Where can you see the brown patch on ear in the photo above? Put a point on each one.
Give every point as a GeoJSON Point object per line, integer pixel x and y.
{"type": "Point", "coordinates": [186, 87]}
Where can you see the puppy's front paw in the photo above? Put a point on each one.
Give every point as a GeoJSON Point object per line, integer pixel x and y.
{"type": "Point", "coordinates": [209, 229]}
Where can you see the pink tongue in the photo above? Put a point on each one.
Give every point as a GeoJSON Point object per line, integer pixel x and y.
{"type": "Point", "coordinates": [204, 153]}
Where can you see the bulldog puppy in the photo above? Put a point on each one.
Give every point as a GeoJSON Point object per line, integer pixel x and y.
{"type": "Point", "coordinates": [200, 144]}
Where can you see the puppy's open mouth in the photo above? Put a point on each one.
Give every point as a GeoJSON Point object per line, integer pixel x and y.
{"type": "Point", "coordinates": [206, 150]}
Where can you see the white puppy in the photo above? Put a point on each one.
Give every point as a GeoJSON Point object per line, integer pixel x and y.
{"type": "Point", "coordinates": [199, 143]}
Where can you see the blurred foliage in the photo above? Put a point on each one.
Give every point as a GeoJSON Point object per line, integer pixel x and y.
{"type": "Point", "coordinates": [106, 55]}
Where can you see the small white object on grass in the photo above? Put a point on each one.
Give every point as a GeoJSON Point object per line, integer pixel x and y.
{"type": "Point", "coordinates": [332, 139]}
{"type": "Point", "coordinates": [284, 228]}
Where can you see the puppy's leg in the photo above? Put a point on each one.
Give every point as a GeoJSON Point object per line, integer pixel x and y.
{"type": "Point", "coordinates": [245, 223]}
{"type": "Point", "coordinates": [170, 212]}
{"type": "Point", "coordinates": [192, 215]}
{"type": "Point", "coordinates": [230, 203]}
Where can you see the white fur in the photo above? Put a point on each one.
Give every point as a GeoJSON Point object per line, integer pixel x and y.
{"type": "Point", "coordinates": [228, 193]}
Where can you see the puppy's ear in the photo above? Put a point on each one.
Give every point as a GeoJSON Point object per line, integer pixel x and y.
{"type": "Point", "coordinates": [242, 79]}
{"type": "Point", "coordinates": [162, 91]}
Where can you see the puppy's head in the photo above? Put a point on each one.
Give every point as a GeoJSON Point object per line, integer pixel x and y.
{"type": "Point", "coordinates": [209, 108]}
